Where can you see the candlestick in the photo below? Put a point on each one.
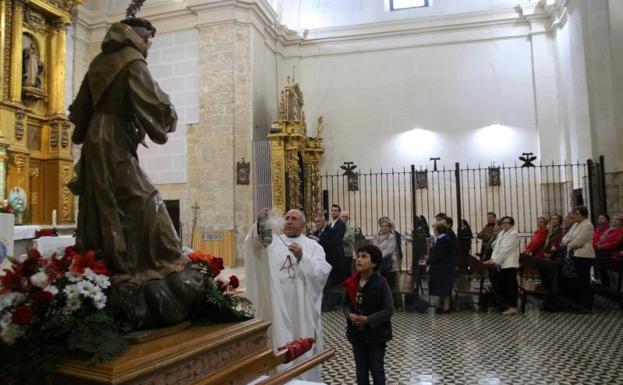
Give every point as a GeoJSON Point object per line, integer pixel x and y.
{"type": "Point", "coordinates": [53, 218]}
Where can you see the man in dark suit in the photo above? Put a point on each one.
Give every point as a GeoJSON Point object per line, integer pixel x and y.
{"type": "Point", "coordinates": [339, 227]}
{"type": "Point", "coordinates": [335, 222]}
{"type": "Point", "coordinates": [331, 241]}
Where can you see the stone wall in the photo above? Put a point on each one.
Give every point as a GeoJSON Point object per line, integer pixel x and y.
{"type": "Point", "coordinates": [614, 192]}
{"type": "Point", "coordinates": [173, 61]}
{"type": "Point", "coordinates": [224, 133]}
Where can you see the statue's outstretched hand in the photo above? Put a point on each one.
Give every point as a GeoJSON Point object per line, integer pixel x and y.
{"type": "Point", "coordinates": [173, 122]}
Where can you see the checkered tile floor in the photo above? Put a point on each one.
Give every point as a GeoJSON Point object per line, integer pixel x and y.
{"type": "Point", "coordinates": [467, 347]}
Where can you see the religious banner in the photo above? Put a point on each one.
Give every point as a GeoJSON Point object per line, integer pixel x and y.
{"type": "Point", "coordinates": [494, 176]}
{"type": "Point", "coordinates": [421, 179]}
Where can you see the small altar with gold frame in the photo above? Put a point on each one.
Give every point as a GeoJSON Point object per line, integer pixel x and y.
{"type": "Point", "coordinates": [295, 156]}
{"type": "Point", "coordinates": [35, 143]}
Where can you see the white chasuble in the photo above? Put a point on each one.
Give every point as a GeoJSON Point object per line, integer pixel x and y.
{"type": "Point", "coordinates": [286, 292]}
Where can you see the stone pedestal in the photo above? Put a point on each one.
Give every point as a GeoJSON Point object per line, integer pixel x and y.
{"type": "Point", "coordinates": [231, 354]}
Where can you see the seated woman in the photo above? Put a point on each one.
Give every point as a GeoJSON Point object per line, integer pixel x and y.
{"type": "Point", "coordinates": [554, 236]}
{"type": "Point", "coordinates": [536, 247]}
{"type": "Point", "coordinates": [504, 262]}
{"type": "Point", "coordinates": [608, 246]}
{"type": "Point", "coordinates": [603, 223]}
{"type": "Point", "coordinates": [441, 268]}
{"type": "Point", "coordinates": [551, 250]}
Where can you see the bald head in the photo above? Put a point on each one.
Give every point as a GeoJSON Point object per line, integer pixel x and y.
{"type": "Point", "coordinates": [295, 223]}
{"type": "Point", "coordinates": [345, 216]}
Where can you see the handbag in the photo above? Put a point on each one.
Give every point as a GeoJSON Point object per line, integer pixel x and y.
{"type": "Point", "coordinates": [568, 265]}
{"type": "Point", "coordinates": [386, 264]}
{"type": "Point", "coordinates": [416, 303]}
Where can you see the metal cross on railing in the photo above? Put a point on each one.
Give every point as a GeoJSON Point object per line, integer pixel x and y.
{"type": "Point", "coordinates": [435, 163]}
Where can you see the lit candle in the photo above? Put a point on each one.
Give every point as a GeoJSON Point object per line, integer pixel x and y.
{"type": "Point", "coordinates": [53, 218]}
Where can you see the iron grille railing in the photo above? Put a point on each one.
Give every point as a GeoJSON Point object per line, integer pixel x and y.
{"type": "Point", "coordinates": [468, 193]}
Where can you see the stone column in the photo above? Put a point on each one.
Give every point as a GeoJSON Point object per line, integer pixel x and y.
{"type": "Point", "coordinates": [58, 53]}
{"type": "Point", "coordinates": [599, 79]}
{"type": "Point", "coordinates": [3, 171]}
{"type": "Point", "coordinates": [15, 90]}
{"type": "Point", "coordinates": [550, 133]}
{"type": "Point", "coordinates": [3, 32]}
{"type": "Point", "coordinates": [224, 133]}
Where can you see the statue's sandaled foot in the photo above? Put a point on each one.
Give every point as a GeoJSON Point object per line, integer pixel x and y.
{"type": "Point", "coordinates": [161, 302]}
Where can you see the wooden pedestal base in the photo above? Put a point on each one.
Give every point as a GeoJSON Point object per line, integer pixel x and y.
{"type": "Point", "coordinates": [225, 354]}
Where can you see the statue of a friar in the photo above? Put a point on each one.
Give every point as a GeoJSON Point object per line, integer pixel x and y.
{"type": "Point", "coordinates": [120, 211]}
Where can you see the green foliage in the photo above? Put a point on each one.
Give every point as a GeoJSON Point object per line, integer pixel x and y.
{"type": "Point", "coordinates": [224, 307]}
{"type": "Point", "coordinates": [87, 334]}
{"type": "Point", "coordinates": [97, 336]}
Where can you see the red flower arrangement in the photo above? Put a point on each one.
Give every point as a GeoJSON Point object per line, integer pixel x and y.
{"type": "Point", "coordinates": [6, 207]}
{"type": "Point", "coordinates": [82, 262]}
{"type": "Point", "coordinates": [214, 264]}
{"type": "Point", "coordinates": [34, 284]}
{"type": "Point", "coordinates": [22, 315]}
{"type": "Point", "coordinates": [234, 282]}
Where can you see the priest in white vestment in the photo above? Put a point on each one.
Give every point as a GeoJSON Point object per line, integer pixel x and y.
{"type": "Point", "coordinates": [285, 274]}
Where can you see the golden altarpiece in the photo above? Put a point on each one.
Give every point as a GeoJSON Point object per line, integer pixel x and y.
{"type": "Point", "coordinates": [35, 143]}
{"type": "Point", "coordinates": [295, 157]}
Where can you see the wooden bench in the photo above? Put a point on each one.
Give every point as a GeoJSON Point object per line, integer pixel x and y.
{"type": "Point", "coordinates": [614, 265]}
{"type": "Point", "coordinates": [529, 264]}
{"type": "Point", "coordinates": [463, 283]}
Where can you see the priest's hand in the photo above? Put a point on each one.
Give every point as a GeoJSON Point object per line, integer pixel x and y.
{"type": "Point", "coordinates": [296, 250]}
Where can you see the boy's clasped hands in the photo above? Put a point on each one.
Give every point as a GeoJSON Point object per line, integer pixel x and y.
{"type": "Point", "coordinates": [358, 320]}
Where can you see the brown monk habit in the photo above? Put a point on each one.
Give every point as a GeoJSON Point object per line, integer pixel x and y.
{"type": "Point", "coordinates": [120, 211]}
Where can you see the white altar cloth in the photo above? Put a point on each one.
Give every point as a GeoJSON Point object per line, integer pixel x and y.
{"type": "Point", "coordinates": [25, 232]}
{"type": "Point", "coordinates": [49, 245]}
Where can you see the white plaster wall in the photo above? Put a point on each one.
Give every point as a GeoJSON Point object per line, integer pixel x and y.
{"type": "Point", "coordinates": [572, 82]}
{"type": "Point", "coordinates": [471, 102]}
{"type": "Point", "coordinates": [308, 14]}
{"type": "Point", "coordinates": [173, 61]}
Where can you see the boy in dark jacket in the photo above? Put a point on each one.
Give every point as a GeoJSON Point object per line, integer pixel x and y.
{"type": "Point", "coordinates": [368, 307]}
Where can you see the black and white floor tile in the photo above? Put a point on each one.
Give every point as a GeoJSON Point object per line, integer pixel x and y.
{"type": "Point", "coordinates": [466, 347]}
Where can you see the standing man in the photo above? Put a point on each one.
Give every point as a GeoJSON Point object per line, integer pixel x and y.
{"type": "Point", "coordinates": [335, 223]}
{"type": "Point", "coordinates": [487, 232]}
{"type": "Point", "coordinates": [339, 228]}
{"type": "Point", "coordinates": [286, 274]}
{"type": "Point", "coordinates": [348, 242]}
{"type": "Point", "coordinates": [330, 241]}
